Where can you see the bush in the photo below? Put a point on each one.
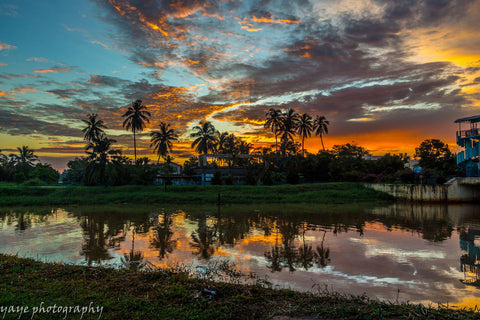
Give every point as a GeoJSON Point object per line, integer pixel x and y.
{"type": "Point", "coordinates": [19, 177]}
{"type": "Point", "coordinates": [217, 178]}
{"type": "Point", "coordinates": [250, 179]}
{"type": "Point", "coordinates": [267, 178]}
{"type": "Point", "coordinates": [292, 177]}
{"type": "Point", "coordinates": [34, 182]}
{"type": "Point", "coordinates": [405, 176]}
{"type": "Point", "coordinates": [229, 180]}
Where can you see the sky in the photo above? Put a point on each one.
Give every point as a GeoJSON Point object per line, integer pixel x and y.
{"type": "Point", "coordinates": [387, 74]}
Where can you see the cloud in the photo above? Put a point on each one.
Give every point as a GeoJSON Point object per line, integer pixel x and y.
{"type": "Point", "coordinates": [8, 10]}
{"type": "Point", "coordinates": [5, 46]}
{"type": "Point", "coordinates": [66, 93]}
{"type": "Point", "coordinates": [17, 76]}
{"type": "Point", "coordinates": [17, 91]}
{"type": "Point", "coordinates": [55, 69]}
{"type": "Point", "coordinates": [100, 43]}
{"type": "Point", "coordinates": [17, 124]}
{"type": "Point", "coordinates": [398, 64]}
{"type": "Point", "coordinates": [37, 59]}
{"type": "Point", "coordinates": [106, 81]}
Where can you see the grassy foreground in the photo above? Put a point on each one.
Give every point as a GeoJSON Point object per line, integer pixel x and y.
{"type": "Point", "coordinates": [52, 291]}
{"type": "Point", "coordinates": [321, 193]}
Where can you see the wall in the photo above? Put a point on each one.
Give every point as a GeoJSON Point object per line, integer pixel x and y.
{"type": "Point", "coordinates": [412, 192]}
{"type": "Point", "coordinates": [455, 190]}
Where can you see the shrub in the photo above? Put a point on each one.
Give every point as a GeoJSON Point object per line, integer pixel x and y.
{"type": "Point", "coordinates": [34, 182]}
{"type": "Point", "coordinates": [217, 178]}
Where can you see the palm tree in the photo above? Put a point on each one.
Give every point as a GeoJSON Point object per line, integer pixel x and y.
{"type": "Point", "coordinates": [287, 128]}
{"type": "Point", "coordinates": [100, 156]}
{"type": "Point", "coordinates": [94, 128]}
{"type": "Point", "coordinates": [25, 156]}
{"type": "Point", "coordinates": [223, 142]}
{"type": "Point", "coordinates": [274, 122]}
{"type": "Point", "coordinates": [162, 140]}
{"type": "Point", "coordinates": [135, 119]}
{"type": "Point", "coordinates": [320, 125]}
{"type": "Point", "coordinates": [304, 128]}
{"type": "Point", "coordinates": [206, 138]}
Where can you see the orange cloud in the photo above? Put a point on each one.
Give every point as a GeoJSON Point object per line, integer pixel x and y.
{"type": "Point", "coordinates": [270, 19]}
{"type": "Point", "coordinates": [251, 29]}
{"type": "Point", "coordinates": [17, 91]}
{"type": "Point", "coordinates": [55, 69]}
{"type": "Point", "coordinates": [4, 46]}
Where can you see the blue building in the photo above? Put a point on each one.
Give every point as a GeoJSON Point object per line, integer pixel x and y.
{"type": "Point", "coordinates": [468, 137]}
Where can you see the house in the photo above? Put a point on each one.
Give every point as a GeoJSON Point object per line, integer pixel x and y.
{"type": "Point", "coordinates": [468, 137]}
{"type": "Point", "coordinates": [172, 173]}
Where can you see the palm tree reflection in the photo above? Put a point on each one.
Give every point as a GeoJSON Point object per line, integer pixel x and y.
{"type": "Point", "coordinates": [322, 253]}
{"type": "Point", "coordinates": [162, 235]}
{"type": "Point", "coordinates": [203, 239]}
{"type": "Point", "coordinates": [133, 259]}
{"type": "Point", "coordinates": [94, 248]}
{"type": "Point", "coordinates": [305, 252]}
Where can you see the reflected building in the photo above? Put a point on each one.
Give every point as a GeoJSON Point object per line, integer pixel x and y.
{"type": "Point", "coordinates": [470, 261]}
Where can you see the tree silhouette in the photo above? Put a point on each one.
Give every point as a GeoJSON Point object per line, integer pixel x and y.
{"type": "Point", "coordinates": [320, 125]}
{"type": "Point", "coordinates": [223, 142]}
{"type": "Point", "coordinates": [203, 239]}
{"type": "Point", "coordinates": [162, 236]}
{"type": "Point", "coordinates": [25, 156]}
{"type": "Point", "coordinates": [274, 122]}
{"type": "Point", "coordinates": [305, 252]}
{"type": "Point", "coordinates": [206, 138]}
{"type": "Point", "coordinates": [162, 140]}
{"type": "Point", "coordinates": [304, 128]}
{"type": "Point", "coordinates": [135, 119]}
{"type": "Point", "coordinates": [287, 128]}
{"type": "Point", "coordinates": [100, 156]}
{"type": "Point", "coordinates": [94, 247]}
{"type": "Point", "coordinates": [322, 254]}
{"type": "Point", "coordinates": [94, 128]}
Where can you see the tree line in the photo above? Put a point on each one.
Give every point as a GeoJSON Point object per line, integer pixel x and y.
{"type": "Point", "coordinates": [287, 162]}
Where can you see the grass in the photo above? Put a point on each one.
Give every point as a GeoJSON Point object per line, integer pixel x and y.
{"type": "Point", "coordinates": [173, 294]}
{"type": "Point", "coordinates": [319, 193]}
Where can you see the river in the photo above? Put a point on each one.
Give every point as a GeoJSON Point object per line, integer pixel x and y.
{"type": "Point", "coordinates": [423, 254]}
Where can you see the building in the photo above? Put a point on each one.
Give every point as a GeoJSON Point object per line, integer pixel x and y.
{"type": "Point", "coordinates": [468, 137]}
{"type": "Point", "coordinates": [172, 173]}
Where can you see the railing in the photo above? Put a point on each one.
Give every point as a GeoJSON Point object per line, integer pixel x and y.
{"type": "Point", "coordinates": [468, 133]}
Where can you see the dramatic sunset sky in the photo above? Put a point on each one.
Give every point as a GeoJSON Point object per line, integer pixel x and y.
{"type": "Point", "coordinates": [387, 74]}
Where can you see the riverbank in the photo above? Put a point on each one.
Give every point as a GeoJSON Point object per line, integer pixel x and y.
{"type": "Point", "coordinates": [102, 293]}
{"type": "Point", "coordinates": [318, 193]}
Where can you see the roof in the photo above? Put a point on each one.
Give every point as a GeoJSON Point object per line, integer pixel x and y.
{"type": "Point", "coordinates": [469, 119]}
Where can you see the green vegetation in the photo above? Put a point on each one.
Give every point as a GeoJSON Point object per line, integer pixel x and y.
{"type": "Point", "coordinates": [173, 294]}
{"type": "Point", "coordinates": [235, 161]}
{"type": "Point", "coordinates": [326, 193]}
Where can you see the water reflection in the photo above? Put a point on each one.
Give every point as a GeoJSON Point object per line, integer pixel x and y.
{"type": "Point", "coordinates": [424, 252]}
{"type": "Point", "coordinates": [470, 261]}
{"type": "Point", "coordinates": [162, 234]}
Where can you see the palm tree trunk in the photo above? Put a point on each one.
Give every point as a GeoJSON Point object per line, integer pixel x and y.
{"type": "Point", "coordinates": [303, 146]}
{"type": "Point", "coordinates": [322, 143]}
{"type": "Point", "coordinates": [134, 146]}
{"type": "Point", "coordinates": [276, 141]}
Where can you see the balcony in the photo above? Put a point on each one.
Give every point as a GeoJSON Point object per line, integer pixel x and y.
{"type": "Point", "coordinates": [468, 133]}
